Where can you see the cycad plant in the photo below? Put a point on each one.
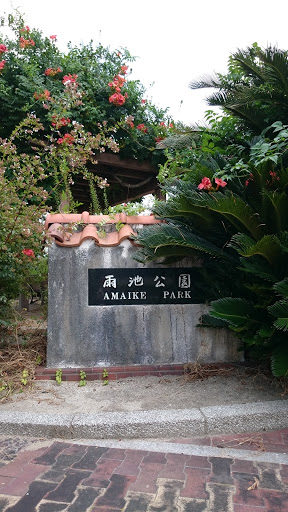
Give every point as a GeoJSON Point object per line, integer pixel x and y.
{"type": "Point", "coordinates": [255, 88]}
{"type": "Point", "coordinates": [237, 224]}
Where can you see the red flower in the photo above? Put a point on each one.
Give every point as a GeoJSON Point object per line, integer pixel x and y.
{"type": "Point", "coordinates": [26, 29]}
{"type": "Point", "coordinates": [123, 70]}
{"type": "Point", "coordinates": [2, 64]}
{"type": "Point", "coordinates": [158, 139]}
{"type": "Point", "coordinates": [69, 79]}
{"type": "Point", "coordinates": [118, 82]}
{"type": "Point", "coordinates": [251, 178]}
{"type": "Point", "coordinates": [24, 43]}
{"type": "Point", "coordinates": [63, 121]}
{"type": "Point", "coordinates": [67, 139]}
{"type": "Point", "coordinates": [162, 124]}
{"type": "Point", "coordinates": [220, 183]}
{"type": "Point", "coordinates": [3, 48]}
{"type": "Point", "coordinates": [142, 128]}
{"type": "Point", "coordinates": [171, 125]}
{"type": "Point", "coordinates": [53, 38]}
{"type": "Point", "coordinates": [143, 101]}
{"type": "Point", "coordinates": [117, 99]}
{"type": "Point", "coordinates": [52, 71]}
{"type": "Point", "coordinates": [129, 121]}
{"type": "Point", "coordinates": [29, 252]}
{"type": "Point", "coordinates": [45, 96]}
{"type": "Point", "coordinates": [205, 184]}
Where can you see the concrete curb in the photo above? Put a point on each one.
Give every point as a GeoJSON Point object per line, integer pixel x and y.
{"type": "Point", "coordinates": [177, 423]}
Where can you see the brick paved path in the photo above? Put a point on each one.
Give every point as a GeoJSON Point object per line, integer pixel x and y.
{"type": "Point", "coordinates": [63, 476]}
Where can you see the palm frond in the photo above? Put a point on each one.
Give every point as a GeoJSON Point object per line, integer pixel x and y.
{"type": "Point", "coordinates": [277, 67]}
{"type": "Point", "coordinates": [280, 309]}
{"type": "Point", "coordinates": [234, 311]}
{"type": "Point", "coordinates": [259, 268]}
{"type": "Point", "coordinates": [275, 206]}
{"type": "Point", "coordinates": [205, 82]}
{"type": "Point", "coordinates": [284, 241]}
{"type": "Point", "coordinates": [246, 61]}
{"type": "Point", "coordinates": [235, 209]}
{"type": "Point", "coordinates": [160, 237]}
{"type": "Point", "coordinates": [282, 287]}
{"type": "Point", "coordinates": [268, 247]}
{"type": "Point", "coordinates": [279, 363]}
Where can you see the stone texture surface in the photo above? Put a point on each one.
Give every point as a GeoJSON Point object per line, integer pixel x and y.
{"type": "Point", "coordinates": [83, 336]}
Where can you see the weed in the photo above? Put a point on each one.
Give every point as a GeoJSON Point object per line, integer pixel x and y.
{"type": "Point", "coordinates": [119, 225]}
{"type": "Point", "coordinates": [3, 385]}
{"type": "Point", "coordinates": [105, 377]}
{"type": "Point", "coordinates": [58, 376]}
{"type": "Point", "coordinates": [25, 375]}
{"type": "Point", "coordinates": [83, 380]}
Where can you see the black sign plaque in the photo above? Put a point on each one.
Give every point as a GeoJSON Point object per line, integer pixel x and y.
{"type": "Point", "coordinates": [118, 286]}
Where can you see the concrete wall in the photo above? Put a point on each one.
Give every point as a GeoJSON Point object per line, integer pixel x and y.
{"type": "Point", "coordinates": [83, 336]}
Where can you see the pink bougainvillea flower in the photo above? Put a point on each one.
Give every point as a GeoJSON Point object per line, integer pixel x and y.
{"type": "Point", "coordinates": [205, 184]}
{"type": "Point", "coordinates": [220, 183]}
{"type": "Point", "coordinates": [3, 48]}
{"type": "Point", "coordinates": [69, 79]}
{"type": "Point", "coordinates": [142, 128]}
{"type": "Point", "coordinates": [2, 64]}
{"type": "Point", "coordinates": [143, 101]}
{"type": "Point", "coordinates": [117, 99]}
{"type": "Point", "coordinates": [53, 38]}
{"type": "Point", "coordinates": [28, 252]}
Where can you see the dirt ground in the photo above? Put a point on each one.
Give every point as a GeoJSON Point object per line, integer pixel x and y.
{"type": "Point", "coordinates": [145, 393]}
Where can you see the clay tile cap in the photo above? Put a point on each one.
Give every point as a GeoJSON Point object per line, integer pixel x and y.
{"type": "Point", "coordinates": [85, 217]}
{"type": "Point", "coordinates": [56, 231]}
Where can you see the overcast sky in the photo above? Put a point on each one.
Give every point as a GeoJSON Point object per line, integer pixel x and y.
{"type": "Point", "coordinates": [175, 42]}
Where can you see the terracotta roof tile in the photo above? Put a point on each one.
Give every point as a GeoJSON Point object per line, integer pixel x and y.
{"type": "Point", "coordinates": [60, 226]}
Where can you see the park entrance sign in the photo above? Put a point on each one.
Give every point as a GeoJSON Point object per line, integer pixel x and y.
{"type": "Point", "coordinates": [106, 309]}
{"type": "Point", "coordinates": [116, 286]}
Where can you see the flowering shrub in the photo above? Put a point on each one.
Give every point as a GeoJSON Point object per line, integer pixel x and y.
{"type": "Point", "coordinates": [118, 81]}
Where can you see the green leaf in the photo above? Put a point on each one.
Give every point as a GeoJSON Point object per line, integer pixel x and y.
{"type": "Point", "coordinates": [279, 363]}
{"type": "Point", "coordinates": [280, 309]}
{"type": "Point", "coordinates": [235, 311]}
{"type": "Point", "coordinates": [282, 287]}
{"type": "Point", "coordinates": [268, 247]}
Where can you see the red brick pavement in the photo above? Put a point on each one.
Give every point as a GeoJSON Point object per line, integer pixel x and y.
{"type": "Point", "coordinates": [65, 476]}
